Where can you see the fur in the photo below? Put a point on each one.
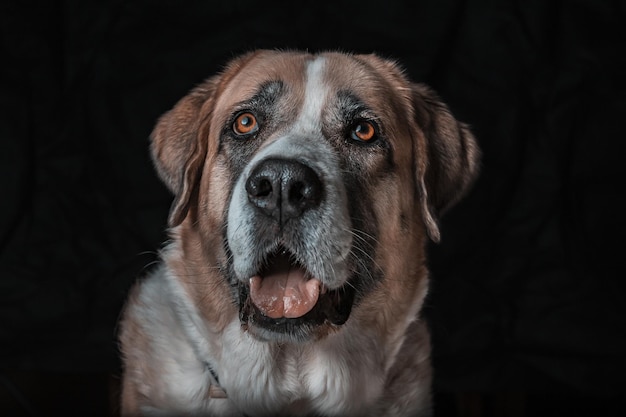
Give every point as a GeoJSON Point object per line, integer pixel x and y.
{"type": "Point", "coordinates": [194, 342]}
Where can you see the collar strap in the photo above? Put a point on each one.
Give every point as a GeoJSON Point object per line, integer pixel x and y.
{"type": "Point", "coordinates": [215, 390]}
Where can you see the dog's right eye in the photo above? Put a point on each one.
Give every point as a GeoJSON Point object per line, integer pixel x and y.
{"type": "Point", "coordinates": [364, 131]}
{"type": "Point", "coordinates": [245, 124]}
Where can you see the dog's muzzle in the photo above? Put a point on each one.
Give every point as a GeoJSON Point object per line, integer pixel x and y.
{"type": "Point", "coordinates": [289, 261]}
{"type": "Point", "coordinates": [283, 190]}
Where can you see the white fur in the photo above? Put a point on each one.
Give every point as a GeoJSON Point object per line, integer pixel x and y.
{"type": "Point", "coordinates": [315, 95]}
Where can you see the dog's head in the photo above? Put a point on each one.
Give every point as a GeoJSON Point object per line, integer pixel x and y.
{"type": "Point", "coordinates": [313, 181]}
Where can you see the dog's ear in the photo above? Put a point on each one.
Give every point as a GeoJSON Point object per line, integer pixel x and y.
{"type": "Point", "coordinates": [177, 150]}
{"type": "Point", "coordinates": [447, 157]}
{"type": "Point", "coordinates": [179, 142]}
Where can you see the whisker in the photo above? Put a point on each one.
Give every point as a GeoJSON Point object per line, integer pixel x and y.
{"type": "Point", "coordinates": [362, 235]}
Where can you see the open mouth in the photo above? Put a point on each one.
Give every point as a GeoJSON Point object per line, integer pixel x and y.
{"type": "Point", "coordinates": [284, 299]}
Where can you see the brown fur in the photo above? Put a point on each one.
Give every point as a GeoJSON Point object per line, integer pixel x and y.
{"type": "Point", "coordinates": [434, 162]}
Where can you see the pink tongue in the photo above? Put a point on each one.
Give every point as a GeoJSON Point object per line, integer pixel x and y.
{"type": "Point", "coordinates": [285, 292]}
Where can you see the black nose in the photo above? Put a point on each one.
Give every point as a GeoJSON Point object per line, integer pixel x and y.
{"type": "Point", "coordinates": [284, 189]}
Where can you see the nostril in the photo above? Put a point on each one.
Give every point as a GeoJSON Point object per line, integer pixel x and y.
{"type": "Point", "coordinates": [296, 193]}
{"type": "Point", "coordinates": [302, 195]}
{"type": "Point", "coordinates": [264, 188]}
{"type": "Point", "coordinates": [259, 187]}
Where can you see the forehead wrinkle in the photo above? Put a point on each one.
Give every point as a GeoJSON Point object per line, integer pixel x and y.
{"type": "Point", "coordinates": [352, 105]}
{"type": "Point", "coordinates": [266, 95]}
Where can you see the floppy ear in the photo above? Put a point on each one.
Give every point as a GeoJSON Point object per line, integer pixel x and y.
{"type": "Point", "coordinates": [447, 157]}
{"type": "Point", "coordinates": [177, 150]}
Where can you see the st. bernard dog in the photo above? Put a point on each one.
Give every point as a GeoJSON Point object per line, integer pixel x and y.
{"type": "Point", "coordinates": [306, 187]}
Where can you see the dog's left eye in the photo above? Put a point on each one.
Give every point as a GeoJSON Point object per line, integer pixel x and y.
{"type": "Point", "coordinates": [363, 131]}
{"type": "Point", "coordinates": [245, 124]}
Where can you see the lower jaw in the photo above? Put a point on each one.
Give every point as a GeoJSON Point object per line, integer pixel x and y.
{"type": "Point", "coordinates": [297, 335]}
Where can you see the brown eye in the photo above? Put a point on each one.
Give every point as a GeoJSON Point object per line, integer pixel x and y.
{"type": "Point", "coordinates": [245, 124]}
{"type": "Point", "coordinates": [364, 131]}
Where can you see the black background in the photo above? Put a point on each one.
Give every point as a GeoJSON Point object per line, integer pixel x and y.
{"type": "Point", "coordinates": [527, 298]}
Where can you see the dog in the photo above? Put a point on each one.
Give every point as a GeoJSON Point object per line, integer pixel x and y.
{"type": "Point", "coordinates": [306, 189]}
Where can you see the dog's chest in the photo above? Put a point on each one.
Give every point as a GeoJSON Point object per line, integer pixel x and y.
{"type": "Point", "coordinates": [271, 379]}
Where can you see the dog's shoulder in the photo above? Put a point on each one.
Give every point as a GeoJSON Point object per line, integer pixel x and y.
{"type": "Point", "coordinates": [158, 337]}
{"type": "Point", "coordinates": [150, 302]}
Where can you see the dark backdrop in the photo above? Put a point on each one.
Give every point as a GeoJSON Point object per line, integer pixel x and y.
{"type": "Point", "coordinates": [528, 294]}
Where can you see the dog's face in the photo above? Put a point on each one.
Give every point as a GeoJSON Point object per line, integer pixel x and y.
{"type": "Point", "coordinates": [313, 182]}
